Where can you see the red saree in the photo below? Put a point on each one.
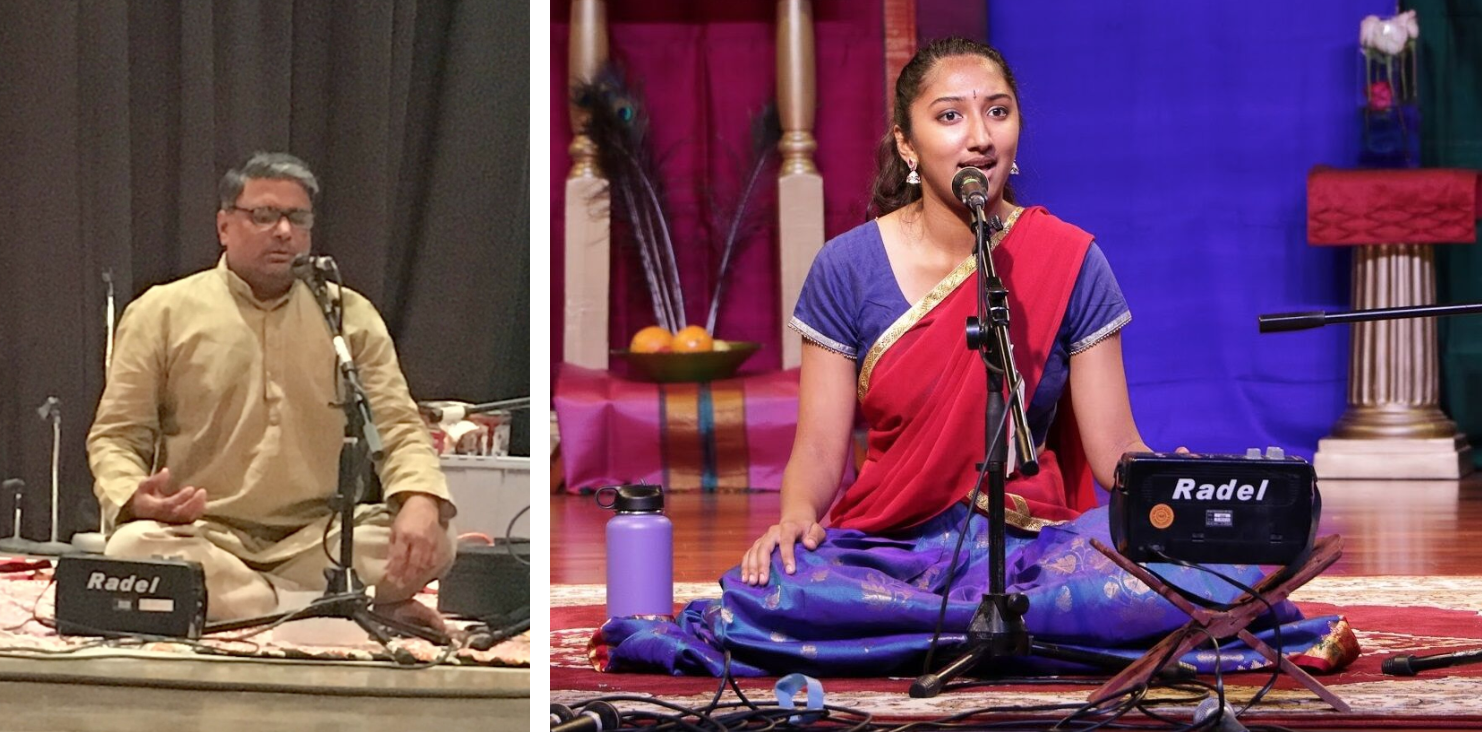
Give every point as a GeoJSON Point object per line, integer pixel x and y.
{"type": "Point", "coordinates": [922, 392]}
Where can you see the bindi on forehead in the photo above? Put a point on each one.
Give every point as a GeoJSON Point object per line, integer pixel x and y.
{"type": "Point", "coordinates": [980, 76]}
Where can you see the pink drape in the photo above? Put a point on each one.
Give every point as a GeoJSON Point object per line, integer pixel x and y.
{"type": "Point", "coordinates": [614, 431]}
{"type": "Point", "coordinates": [704, 68]}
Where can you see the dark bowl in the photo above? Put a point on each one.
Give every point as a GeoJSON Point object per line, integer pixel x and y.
{"type": "Point", "coordinates": [668, 368]}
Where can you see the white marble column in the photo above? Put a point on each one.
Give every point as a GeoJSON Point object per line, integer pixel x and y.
{"type": "Point", "coordinates": [588, 239]}
{"type": "Point", "coordinates": [799, 185]}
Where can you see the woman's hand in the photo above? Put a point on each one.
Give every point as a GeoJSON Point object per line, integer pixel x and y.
{"type": "Point", "coordinates": [819, 451]}
{"type": "Point", "coordinates": [756, 564]}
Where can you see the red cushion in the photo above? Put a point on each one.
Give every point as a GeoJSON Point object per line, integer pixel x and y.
{"type": "Point", "coordinates": [1405, 206]}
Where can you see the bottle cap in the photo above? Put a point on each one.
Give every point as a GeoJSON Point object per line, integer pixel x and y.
{"type": "Point", "coordinates": [631, 498]}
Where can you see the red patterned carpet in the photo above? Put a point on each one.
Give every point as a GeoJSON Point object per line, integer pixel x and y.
{"type": "Point", "coordinates": [1391, 615]}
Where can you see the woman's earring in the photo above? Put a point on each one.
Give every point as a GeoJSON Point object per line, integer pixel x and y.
{"type": "Point", "coordinates": [914, 178]}
{"type": "Point", "coordinates": [1014, 168]}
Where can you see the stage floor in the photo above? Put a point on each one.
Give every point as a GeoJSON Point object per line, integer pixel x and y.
{"type": "Point", "coordinates": [1423, 534]}
{"type": "Point", "coordinates": [1395, 527]}
{"type": "Point", "coordinates": [52, 695]}
{"type": "Point", "coordinates": [272, 679]}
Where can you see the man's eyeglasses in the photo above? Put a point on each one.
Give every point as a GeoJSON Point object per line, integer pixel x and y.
{"type": "Point", "coordinates": [266, 216]}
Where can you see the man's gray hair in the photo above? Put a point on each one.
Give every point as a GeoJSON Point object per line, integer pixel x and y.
{"type": "Point", "coordinates": [272, 166]}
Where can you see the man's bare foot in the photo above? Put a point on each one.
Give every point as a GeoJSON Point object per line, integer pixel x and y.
{"type": "Point", "coordinates": [412, 612]}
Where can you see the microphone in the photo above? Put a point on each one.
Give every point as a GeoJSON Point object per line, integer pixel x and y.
{"type": "Point", "coordinates": [1224, 717]}
{"type": "Point", "coordinates": [309, 268]}
{"type": "Point", "coordinates": [595, 717]}
{"type": "Point", "coordinates": [970, 185]}
{"type": "Point", "coordinates": [51, 409]}
{"type": "Point", "coordinates": [1411, 665]}
{"type": "Point", "coordinates": [561, 713]}
{"type": "Point", "coordinates": [450, 414]}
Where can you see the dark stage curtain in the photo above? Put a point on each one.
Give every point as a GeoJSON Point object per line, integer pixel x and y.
{"type": "Point", "coordinates": [117, 119]}
{"type": "Point", "coordinates": [703, 69]}
{"type": "Point", "coordinates": [1451, 137]}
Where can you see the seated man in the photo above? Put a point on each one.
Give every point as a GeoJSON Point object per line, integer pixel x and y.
{"type": "Point", "coordinates": [218, 436]}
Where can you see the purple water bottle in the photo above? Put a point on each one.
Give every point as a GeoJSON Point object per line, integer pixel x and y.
{"type": "Point", "coordinates": [640, 551]}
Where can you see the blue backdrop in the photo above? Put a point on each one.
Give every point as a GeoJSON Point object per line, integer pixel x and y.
{"type": "Point", "coordinates": [1180, 134]}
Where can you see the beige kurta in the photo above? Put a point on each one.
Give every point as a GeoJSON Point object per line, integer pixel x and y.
{"type": "Point", "coordinates": [239, 395]}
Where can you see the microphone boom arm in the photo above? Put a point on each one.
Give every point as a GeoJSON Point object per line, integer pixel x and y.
{"type": "Point", "coordinates": [1277, 322]}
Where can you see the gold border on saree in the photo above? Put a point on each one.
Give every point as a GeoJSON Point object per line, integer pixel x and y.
{"type": "Point", "coordinates": [925, 305]}
{"type": "Point", "coordinates": [1018, 516]}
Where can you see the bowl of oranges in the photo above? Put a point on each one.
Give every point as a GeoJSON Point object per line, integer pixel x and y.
{"type": "Point", "coordinates": [688, 355]}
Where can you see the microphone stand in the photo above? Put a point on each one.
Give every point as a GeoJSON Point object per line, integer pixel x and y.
{"type": "Point", "coordinates": [997, 626]}
{"type": "Point", "coordinates": [1402, 665]}
{"type": "Point", "coordinates": [440, 412]}
{"type": "Point", "coordinates": [95, 542]}
{"type": "Point", "coordinates": [503, 405]}
{"type": "Point", "coordinates": [345, 595]}
{"type": "Point", "coordinates": [51, 411]}
{"type": "Point", "coordinates": [15, 544]}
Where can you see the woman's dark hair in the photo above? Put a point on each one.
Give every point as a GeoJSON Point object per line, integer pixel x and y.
{"type": "Point", "coordinates": [890, 190]}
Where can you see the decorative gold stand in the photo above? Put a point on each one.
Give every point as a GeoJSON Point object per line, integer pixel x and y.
{"type": "Point", "coordinates": [1394, 427]}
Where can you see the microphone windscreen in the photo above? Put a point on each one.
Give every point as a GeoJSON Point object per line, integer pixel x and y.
{"type": "Point", "coordinates": [303, 266]}
{"type": "Point", "coordinates": [1397, 666]}
{"type": "Point", "coordinates": [968, 181]}
{"type": "Point", "coordinates": [1224, 716]}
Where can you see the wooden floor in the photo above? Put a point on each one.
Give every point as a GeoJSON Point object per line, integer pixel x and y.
{"type": "Point", "coordinates": [1423, 528]}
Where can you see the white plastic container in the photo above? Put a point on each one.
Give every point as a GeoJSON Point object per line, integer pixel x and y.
{"type": "Point", "coordinates": [489, 491]}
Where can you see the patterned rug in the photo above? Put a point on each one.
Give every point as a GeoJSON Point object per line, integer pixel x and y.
{"type": "Point", "coordinates": [27, 601]}
{"type": "Point", "coordinates": [1391, 615]}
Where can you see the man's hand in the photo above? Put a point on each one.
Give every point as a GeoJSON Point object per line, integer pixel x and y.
{"type": "Point", "coordinates": [416, 542]}
{"type": "Point", "coordinates": [154, 500]}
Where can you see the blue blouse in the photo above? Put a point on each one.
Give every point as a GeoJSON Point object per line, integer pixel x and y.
{"type": "Point", "coordinates": [851, 297]}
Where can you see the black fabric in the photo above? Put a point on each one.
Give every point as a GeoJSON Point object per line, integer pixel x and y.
{"type": "Point", "coordinates": [118, 119]}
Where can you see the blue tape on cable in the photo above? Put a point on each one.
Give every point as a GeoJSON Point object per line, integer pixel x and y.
{"type": "Point", "coordinates": [788, 687]}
